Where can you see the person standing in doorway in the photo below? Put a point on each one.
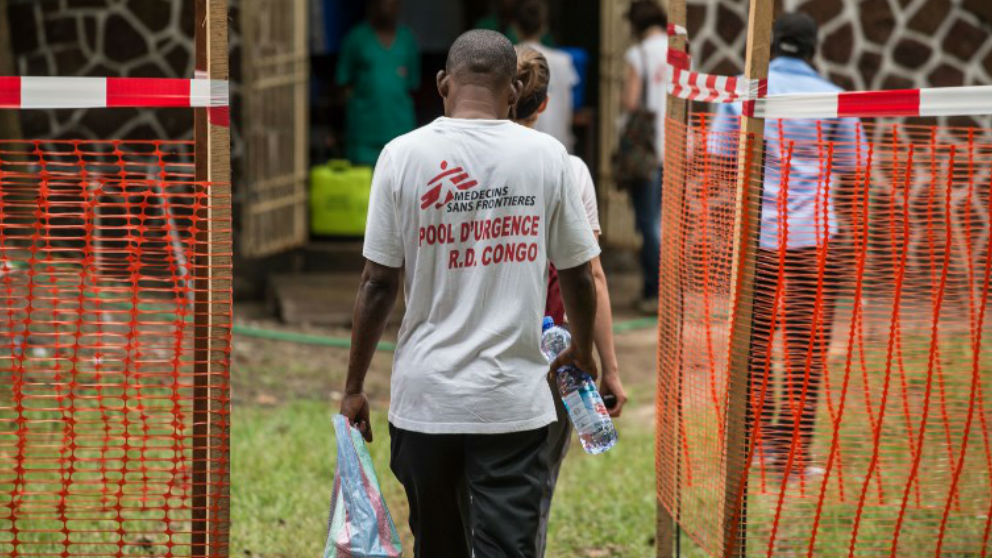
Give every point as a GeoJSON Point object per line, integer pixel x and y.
{"type": "Point", "coordinates": [379, 66]}
{"type": "Point", "coordinates": [647, 67]}
{"type": "Point", "coordinates": [531, 23]}
{"type": "Point", "coordinates": [465, 216]}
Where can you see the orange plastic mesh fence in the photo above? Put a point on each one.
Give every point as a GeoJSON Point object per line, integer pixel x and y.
{"type": "Point", "coordinates": [102, 258]}
{"type": "Point", "coordinates": [868, 425]}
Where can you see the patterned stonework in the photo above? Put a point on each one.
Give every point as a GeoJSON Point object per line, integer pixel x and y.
{"type": "Point", "coordinates": [137, 38]}
{"type": "Point", "coordinates": [866, 44]}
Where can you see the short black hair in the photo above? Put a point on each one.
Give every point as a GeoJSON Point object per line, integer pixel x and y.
{"type": "Point", "coordinates": [794, 34]}
{"type": "Point", "coordinates": [645, 14]}
{"type": "Point", "coordinates": [484, 53]}
{"type": "Point", "coordinates": [531, 17]}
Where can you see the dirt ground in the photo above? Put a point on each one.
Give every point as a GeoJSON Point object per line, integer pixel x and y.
{"type": "Point", "coordinates": [313, 371]}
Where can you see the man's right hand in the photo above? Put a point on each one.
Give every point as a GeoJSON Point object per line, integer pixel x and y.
{"type": "Point", "coordinates": [356, 407]}
{"type": "Point", "coordinates": [572, 357]}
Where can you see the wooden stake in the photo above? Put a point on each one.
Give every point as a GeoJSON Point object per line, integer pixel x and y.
{"type": "Point", "coordinates": [747, 227]}
{"type": "Point", "coordinates": [615, 217]}
{"type": "Point", "coordinates": [10, 123]}
{"type": "Point", "coordinates": [670, 308]}
{"type": "Point", "coordinates": [212, 305]}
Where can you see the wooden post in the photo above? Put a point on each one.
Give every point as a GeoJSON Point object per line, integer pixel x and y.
{"type": "Point", "coordinates": [10, 123]}
{"type": "Point", "coordinates": [615, 216]}
{"type": "Point", "coordinates": [301, 114]}
{"type": "Point", "coordinates": [747, 227]}
{"type": "Point", "coordinates": [212, 304]}
{"type": "Point", "coordinates": [670, 307]}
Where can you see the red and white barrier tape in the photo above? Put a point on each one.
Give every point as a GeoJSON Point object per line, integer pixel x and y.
{"type": "Point", "coordinates": [29, 92]}
{"type": "Point", "coordinates": [935, 101]}
{"type": "Point", "coordinates": [676, 30]}
{"type": "Point", "coordinates": [712, 88]}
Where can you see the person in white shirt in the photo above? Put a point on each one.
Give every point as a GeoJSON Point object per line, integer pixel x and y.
{"type": "Point", "coordinates": [647, 64]}
{"type": "Point", "coordinates": [534, 74]}
{"type": "Point", "coordinates": [531, 26]}
{"type": "Point", "coordinates": [468, 212]}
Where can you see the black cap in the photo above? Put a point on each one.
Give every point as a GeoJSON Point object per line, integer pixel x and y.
{"type": "Point", "coordinates": [794, 34]}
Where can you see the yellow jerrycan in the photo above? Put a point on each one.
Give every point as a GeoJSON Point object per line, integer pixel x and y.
{"type": "Point", "coordinates": [339, 198]}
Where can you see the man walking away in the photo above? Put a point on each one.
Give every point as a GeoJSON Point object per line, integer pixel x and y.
{"type": "Point", "coordinates": [469, 210]}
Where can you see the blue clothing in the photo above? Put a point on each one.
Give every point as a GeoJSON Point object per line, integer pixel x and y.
{"type": "Point", "coordinates": [812, 140]}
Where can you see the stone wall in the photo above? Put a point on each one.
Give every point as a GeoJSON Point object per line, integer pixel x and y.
{"type": "Point", "coordinates": [120, 38]}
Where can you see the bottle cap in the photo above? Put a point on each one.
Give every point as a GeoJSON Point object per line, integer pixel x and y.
{"type": "Point", "coordinates": [548, 323]}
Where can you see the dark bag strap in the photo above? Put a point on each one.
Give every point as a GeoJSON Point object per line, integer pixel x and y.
{"type": "Point", "coordinates": [644, 77]}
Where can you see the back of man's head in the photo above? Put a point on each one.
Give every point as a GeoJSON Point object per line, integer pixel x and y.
{"type": "Point", "coordinates": [531, 18]}
{"type": "Point", "coordinates": [482, 56]}
{"type": "Point", "coordinates": [794, 34]}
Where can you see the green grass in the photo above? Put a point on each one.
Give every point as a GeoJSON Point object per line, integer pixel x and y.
{"type": "Point", "coordinates": [116, 496]}
{"type": "Point", "coordinates": [283, 463]}
{"type": "Point", "coordinates": [281, 476]}
{"type": "Point", "coordinates": [283, 467]}
{"type": "Point", "coordinates": [604, 505]}
{"type": "Point", "coordinates": [922, 517]}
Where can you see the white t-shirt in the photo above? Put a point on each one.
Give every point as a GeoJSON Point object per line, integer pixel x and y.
{"type": "Point", "coordinates": [557, 118]}
{"type": "Point", "coordinates": [473, 210]}
{"type": "Point", "coordinates": [654, 51]}
{"type": "Point", "coordinates": [587, 191]}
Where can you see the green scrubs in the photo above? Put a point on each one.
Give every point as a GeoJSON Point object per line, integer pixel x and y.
{"type": "Point", "coordinates": [379, 107]}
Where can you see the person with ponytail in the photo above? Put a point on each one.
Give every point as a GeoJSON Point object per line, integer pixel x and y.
{"type": "Point", "coordinates": [534, 76]}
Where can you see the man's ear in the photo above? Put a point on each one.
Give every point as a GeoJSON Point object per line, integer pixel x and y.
{"type": "Point", "coordinates": [442, 84]}
{"type": "Point", "coordinates": [516, 86]}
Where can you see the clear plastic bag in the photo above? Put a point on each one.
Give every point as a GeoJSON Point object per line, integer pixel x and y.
{"type": "Point", "coordinates": [360, 524]}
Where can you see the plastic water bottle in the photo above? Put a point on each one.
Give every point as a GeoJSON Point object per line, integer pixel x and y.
{"type": "Point", "coordinates": [554, 339]}
{"type": "Point", "coordinates": [578, 391]}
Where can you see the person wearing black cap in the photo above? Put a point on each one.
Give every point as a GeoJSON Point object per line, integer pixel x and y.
{"type": "Point", "coordinates": [806, 229]}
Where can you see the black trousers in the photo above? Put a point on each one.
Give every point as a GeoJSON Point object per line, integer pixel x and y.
{"type": "Point", "coordinates": [472, 495]}
{"type": "Point", "coordinates": [807, 341]}
{"type": "Point", "coordinates": [559, 436]}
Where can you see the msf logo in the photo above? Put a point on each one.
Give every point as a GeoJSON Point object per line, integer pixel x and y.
{"type": "Point", "coordinates": [447, 182]}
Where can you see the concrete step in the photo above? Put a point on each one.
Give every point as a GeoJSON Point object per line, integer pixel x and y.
{"type": "Point", "coordinates": [326, 299]}
{"type": "Point", "coordinates": [333, 255]}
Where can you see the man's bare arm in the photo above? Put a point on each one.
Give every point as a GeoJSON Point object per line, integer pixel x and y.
{"type": "Point", "coordinates": [603, 340]}
{"type": "Point", "coordinates": [376, 298]}
{"type": "Point", "coordinates": [631, 96]}
{"type": "Point", "coordinates": [578, 292]}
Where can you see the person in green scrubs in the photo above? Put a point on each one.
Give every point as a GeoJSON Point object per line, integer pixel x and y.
{"type": "Point", "coordinates": [379, 66]}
